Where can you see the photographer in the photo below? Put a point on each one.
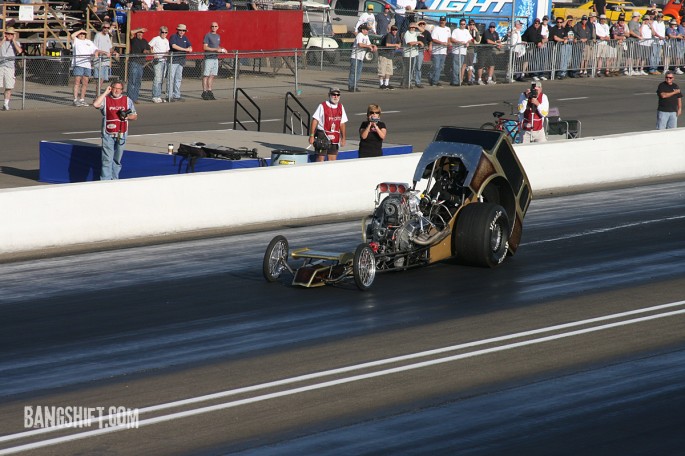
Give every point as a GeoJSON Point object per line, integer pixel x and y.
{"type": "Point", "coordinates": [533, 108]}
{"type": "Point", "coordinates": [372, 133]}
{"type": "Point", "coordinates": [117, 109]}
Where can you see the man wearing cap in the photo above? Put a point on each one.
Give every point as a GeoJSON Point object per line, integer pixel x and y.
{"type": "Point", "coordinates": [519, 49]}
{"type": "Point", "coordinates": [546, 50]}
{"type": "Point", "coordinates": [83, 51]}
{"type": "Point", "coordinates": [670, 103]}
{"type": "Point", "coordinates": [9, 49]}
{"type": "Point", "coordinates": [533, 35]}
{"type": "Point", "coordinates": [180, 46]}
{"type": "Point", "coordinates": [383, 21]}
{"type": "Point", "coordinates": [604, 51]}
{"type": "Point", "coordinates": [619, 33]}
{"type": "Point", "coordinates": [487, 54]}
{"type": "Point", "coordinates": [460, 39]}
{"type": "Point", "coordinates": [673, 49]}
{"type": "Point", "coordinates": [412, 55]}
{"type": "Point", "coordinates": [440, 38]}
{"type": "Point", "coordinates": [471, 53]}
{"type": "Point", "coordinates": [390, 43]}
{"type": "Point", "coordinates": [533, 107]}
{"type": "Point", "coordinates": [361, 46]}
{"type": "Point", "coordinates": [329, 120]}
{"type": "Point", "coordinates": [584, 34]}
{"type": "Point", "coordinates": [159, 47]}
{"type": "Point", "coordinates": [367, 18]}
{"type": "Point", "coordinates": [635, 62]}
{"type": "Point", "coordinates": [647, 43]}
{"type": "Point", "coordinates": [138, 47]}
{"type": "Point", "coordinates": [424, 37]}
{"type": "Point", "coordinates": [659, 30]}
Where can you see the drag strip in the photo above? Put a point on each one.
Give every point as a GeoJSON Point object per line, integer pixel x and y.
{"type": "Point", "coordinates": [562, 331]}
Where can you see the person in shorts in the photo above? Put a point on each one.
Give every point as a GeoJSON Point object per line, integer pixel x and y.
{"type": "Point", "coordinates": [329, 120]}
{"type": "Point", "coordinates": [210, 66]}
{"type": "Point", "coordinates": [84, 50]}
{"type": "Point", "coordinates": [9, 49]}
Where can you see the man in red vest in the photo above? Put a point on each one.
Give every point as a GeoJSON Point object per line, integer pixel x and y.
{"type": "Point", "coordinates": [117, 109]}
{"type": "Point", "coordinates": [329, 120]}
{"type": "Point", "coordinates": [533, 108]}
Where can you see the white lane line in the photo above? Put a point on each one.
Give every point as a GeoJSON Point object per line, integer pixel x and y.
{"type": "Point", "coordinates": [80, 132]}
{"type": "Point", "coordinates": [603, 230]}
{"type": "Point", "coordinates": [574, 98]}
{"type": "Point", "coordinates": [249, 121]}
{"type": "Point", "coordinates": [645, 93]}
{"type": "Point", "coordinates": [207, 409]}
{"type": "Point", "coordinates": [477, 105]}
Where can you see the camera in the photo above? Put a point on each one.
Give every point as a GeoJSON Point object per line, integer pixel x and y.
{"type": "Point", "coordinates": [373, 120]}
{"type": "Point", "coordinates": [122, 113]}
{"type": "Point", "coordinates": [533, 92]}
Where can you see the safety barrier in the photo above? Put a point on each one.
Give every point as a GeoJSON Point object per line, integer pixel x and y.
{"type": "Point", "coordinates": [70, 214]}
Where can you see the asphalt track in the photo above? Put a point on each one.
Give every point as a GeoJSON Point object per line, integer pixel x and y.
{"type": "Point", "coordinates": [573, 346]}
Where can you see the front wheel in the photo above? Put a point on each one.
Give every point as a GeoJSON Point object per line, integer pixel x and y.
{"type": "Point", "coordinates": [481, 234]}
{"type": "Point", "coordinates": [275, 258]}
{"type": "Point", "coordinates": [364, 267]}
{"type": "Point", "coordinates": [488, 126]}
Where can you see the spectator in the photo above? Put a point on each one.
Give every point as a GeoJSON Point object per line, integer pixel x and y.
{"type": "Point", "coordinates": [519, 49]}
{"type": "Point", "coordinates": [471, 53]}
{"type": "Point", "coordinates": [619, 33]}
{"type": "Point", "coordinates": [369, 19]}
{"type": "Point", "coordinates": [176, 5]}
{"type": "Point", "coordinates": [533, 35]}
{"type": "Point", "coordinates": [672, 47]}
{"type": "Point", "coordinates": [460, 39]}
{"type": "Point", "coordinates": [424, 37]}
{"type": "Point", "coordinates": [440, 38]}
{"type": "Point", "coordinates": [372, 133]}
{"type": "Point", "coordinates": [103, 64]}
{"type": "Point", "coordinates": [264, 5]}
{"type": "Point", "coordinates": [600, 6]}
{"type": "Point", "coordinates": [211, 45]}
{"type": "Point", "coordinates": [533, 108]}
{"type": "Point", "coordinates": [159, 46]}
{"type": "Point", "coordinates": [634, 61]}
{"type": "Point", "coordinates": [180, 46]}
{"type": "Point", "coordinates": [584, 33]}
{"type": "Point", "coordinates": [680, 47]}
{"type": "Point", "coordinates": [329, 120]}
{"type": "Point", "coordinates": [99, 11]}
{"type": "Point", "coordinates": [545, 51]}
{"type": "Point", "coordinates": [401, 8]}
{"type": "Point", "coordinates": [217, 5]}
{"type": "Point", "coordinates": [659, 35]}
{"type": "Point", "coordinates": [117, 110]}
{"type": "Point", "coordinates": [647, 43]}
{"type": "Point", "coordinates": [670, 103]}
{"type": "Point", "coordinates": [9, 49]}
{"type": "Point", "coordinates": [559, 37]}
{"type": "Point", "coordinates": [83, 50]}
{"type": "Point", "coordinates": [412, 52]}
{"type": "Point", "coordinates": [384, 20]}
{"type": "Point", "coordinates": [390, 43]}
{"type": "Point", "coordinates": [136, 62]}
{"type": "Point", "coordinates": [361, 44]}
{"type": "Point", "coordinates": [493, 45]}
{"type": "Point", "coordinates": [604, 51]}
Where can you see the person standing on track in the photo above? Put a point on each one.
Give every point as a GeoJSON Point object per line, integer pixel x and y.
{"type": "Point", "coordinates": [533, 108]}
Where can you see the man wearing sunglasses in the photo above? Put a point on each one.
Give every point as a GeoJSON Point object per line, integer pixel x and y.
{"type": "Point", "coordinates": [159, 47]}
{"type": "Point", "coordinates": [103, 41]}
{"type": "Point", "coordinates": [670, 103]}
{"type": "Point", "coordinates": [328, 121]}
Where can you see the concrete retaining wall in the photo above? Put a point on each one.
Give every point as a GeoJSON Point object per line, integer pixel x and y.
{"type": "Point", "coordinates": [64, 215]}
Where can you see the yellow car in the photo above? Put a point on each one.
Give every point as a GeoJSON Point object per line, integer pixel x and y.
{"type": "Point", "coordinates": [613, 9]}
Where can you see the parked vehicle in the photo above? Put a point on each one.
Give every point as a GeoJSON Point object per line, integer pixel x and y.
{"type": "Point", "coordinates": [674, 9]}
{"type": "Point", "coordinates": [614, 8]}
{"type": "Point", "coordinates": [467, 201]}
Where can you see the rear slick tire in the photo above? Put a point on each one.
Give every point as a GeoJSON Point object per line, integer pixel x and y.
{"type": "Point", "coordinates": [481, 235]}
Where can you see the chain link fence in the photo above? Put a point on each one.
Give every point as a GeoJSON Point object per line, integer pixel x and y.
{"type": "Point", "coordinates": [44, 81]}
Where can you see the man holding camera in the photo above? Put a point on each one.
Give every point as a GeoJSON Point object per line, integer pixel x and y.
{"type": "Point", "coordinates": [117, 109]}
{"type": "Point", "coordinates": [533, 108]}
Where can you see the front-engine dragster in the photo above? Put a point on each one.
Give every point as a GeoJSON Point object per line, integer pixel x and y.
{"type": "Point", "coordinates": [467, 201]}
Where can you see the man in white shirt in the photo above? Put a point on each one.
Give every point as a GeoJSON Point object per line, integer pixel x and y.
{"type": "Point", "coordinates": [362, 44]}
{"type": "Point", "coordinates": [659, 34]}
{"type": "Point", "coordinates": [440, 39]}
{"type": "Point", "coordinates": [460, 39]}
{"type": "Point", "coordinates": [603, 51]}
{"type": "Point", "coordinates": [159, 47]}
{"type": "Point", "coordinates": [369, 19]}
{"type": "Point", "coordinates": [103, 41]}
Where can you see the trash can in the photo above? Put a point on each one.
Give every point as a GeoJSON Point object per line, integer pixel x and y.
{"type": "Point", "coordinates": [57, 67]}
{"type": "Point", "coordinates": [280, 157]}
